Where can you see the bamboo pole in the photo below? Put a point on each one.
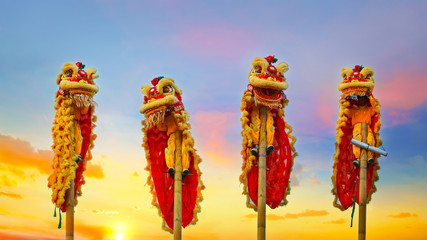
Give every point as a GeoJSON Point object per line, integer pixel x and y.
{"type": "Point", "coordinates": [262, 166]}
{"type": "Point", "coordinates": [177, 202]}
{"type": "Point", "coordinates": [362, 185]}
{"type": "Point", "coordinates": [69, 235]}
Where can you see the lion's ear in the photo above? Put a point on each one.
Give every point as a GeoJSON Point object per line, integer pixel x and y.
{"type": "Point", "coordinates": [58, 79]}
{"type": "Point", "coordinates": [91, 73]}
{"type": "Point", "coordinates": [260, 62]}
{"type": "Point", "coordinates": [346, 72]}
{"type": "Point", "coordinates": [145, 89]}
{"type": "Point", "coordinates": [282, 67]}
{"type": "Point", "coordinates": [368, 72]}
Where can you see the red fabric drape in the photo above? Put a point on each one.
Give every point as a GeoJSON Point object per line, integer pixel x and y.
{"type": "Point", "coordinates": [164, 185]}
{"type": "Point", "coordinates": [279, 166]}
{"type": "Point", "coordinates": [347, 173]}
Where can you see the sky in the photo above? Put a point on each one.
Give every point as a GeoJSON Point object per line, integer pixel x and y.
{"type": "Point", "coordinates": [207, 47]}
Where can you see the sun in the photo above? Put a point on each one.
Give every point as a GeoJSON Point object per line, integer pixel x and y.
{"type": "Point", "coordinates": [120, 230]}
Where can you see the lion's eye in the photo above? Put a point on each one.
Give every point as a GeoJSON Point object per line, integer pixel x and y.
{"type": "Point", "coordinates": [167, 89]}
{"type": "Point", "coordinates": [258, 69]}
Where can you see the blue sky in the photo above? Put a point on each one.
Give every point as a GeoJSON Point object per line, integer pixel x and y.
{"type": "Point", "coordinates": [208, 47]}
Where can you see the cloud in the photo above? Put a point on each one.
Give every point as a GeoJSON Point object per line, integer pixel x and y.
{"type": "Point", "coordinates": [313, 180]}
{"type": "Point", "coordinates": [296, 174]}
{"type": "Point", "coordinates": [273, 217]}
{"type": "Point", "coordinates": [307, 213]}
{"type": "Point", "coordinates": [7, 181]}
{"type": "Point", "coordinates": [403, 215]}
{"type": "Point", "coordinates": [338, 221]}
{"type": "Point", "coordinates": [94, 170]}
{"type": "Point", "coordinates": [93, 232]}
{"type": "Point", "coordinates": [102, 211]}
{"type": "Point", "coordinates": [18, 155]}
{"type": "Point", "coordinates": [250, 216]}
{"type": "Point", "coordinates": [404, 88]}
{"type": "Point", "coordinates": [211, 128]}
{"type": "Point", "coordinates": [11, 195]}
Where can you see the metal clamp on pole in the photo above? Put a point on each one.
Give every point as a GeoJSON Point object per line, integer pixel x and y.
{"type": "Point", "coordinates": [368, 147]}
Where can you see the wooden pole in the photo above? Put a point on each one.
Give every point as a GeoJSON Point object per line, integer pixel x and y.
{"type": "Point", "coordinates": [262, 166]}
{"type": "Point", "coordinates": [177, 201]}
{"type": "Point", "coordinates": [362, 185]}
{"type": "Point", "coordinates": [69, 235]}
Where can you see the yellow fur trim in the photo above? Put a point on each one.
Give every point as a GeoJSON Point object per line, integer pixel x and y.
{"type": "Point", "coordinates": [343, 86]}
{"type": "Point", "coordinates": [166, 82]}
{"type": "Point", "coordinates": [343, 116]}
{"type": "Point", "coordinates": [170, 99]}
{"type": "Point", "coordinates": [145, 89]}
{"type": "Point", "coordinates": [82, 87]}
{"type": "Point", "coordinates": [64, 147]}
{"type": "Point", "coordinates": [346, 72]}
{"type": "Point", "coordinates": [282, 67]}
{"type": "Point", "coordinates": [69, 66]}
{"type": "Point", "coordinates": [91, 74]}
{"type": "Point", "coordinates": [188, 141]}
{"type": "Point", "coordinates": [264, 83]}
{"type": "Point", "coordinates": [367, 72]}
{"type": "Point", "coordinates": [260, 62]}
{"type": "Point", "coordinates": [248, 140]}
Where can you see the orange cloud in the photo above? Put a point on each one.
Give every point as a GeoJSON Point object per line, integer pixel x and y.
{"type": "Point", "coordinates": [6, 181]}
{"type": "Point", "coordinates": [271, 217]}
{"type": "Point", "coordinates": [93, 232]}
{"type": "Point", "coordinates": [94, 170]}
{"type": "Point", "coordinates": [307, 213]}
{"type": "Point", "coordinates": [211, 129]}
{"type": "Point", "coordinates": [403, 215]}
{"type": "Point", "coordinates": [250, 216]}
{"type": "Point", "coordinates": [274, 217]}
{"type": "Point", "coordinates": [17, 155]}
{"type": "Point", "coordinates": [339, 221]}
{"type": "Point", "coordinates": [402, 89]}
{"type": "Point", "coordinates": [11, 195]}
{"type": "Point", "coordinates": [313, 180]}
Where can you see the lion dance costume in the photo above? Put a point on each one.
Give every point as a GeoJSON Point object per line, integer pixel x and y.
{"type": "Point", "coordinates": [72, 130]}
{"type": "Point", "coordinates": [164, 116]}
{"type": "Point", "coordinates": [357, 105]}
{"type": "Point", "coordinates": [266, 87]}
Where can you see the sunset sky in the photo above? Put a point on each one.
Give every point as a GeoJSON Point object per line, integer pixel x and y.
{"type": "Point", "coordinates": [207, 47]}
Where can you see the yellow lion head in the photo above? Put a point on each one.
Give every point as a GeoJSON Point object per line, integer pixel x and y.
{"type": "Point", "coordinates": [358, 81]}
{"type": "Point", "coordinates": [78, 84]}
{"type": "Point", "coordinates": [160, 100]}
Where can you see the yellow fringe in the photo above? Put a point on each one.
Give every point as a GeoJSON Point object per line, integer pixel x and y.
{"type": "Point", "coordinates": [183, 125]}
{"type": "Point", "coordinates": [64, 144]}
{"type": "Point", "coordinates": [248, 157]}
{"type": "Point", "coordinates": [343, 115]}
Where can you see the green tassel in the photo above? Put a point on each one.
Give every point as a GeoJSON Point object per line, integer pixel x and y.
{"type": "Point", "coordinates": [54, 212]}
{"type": "Point", "coordinates": [354, 205]}
{"type": "Point", "coordinates": [60, 219]}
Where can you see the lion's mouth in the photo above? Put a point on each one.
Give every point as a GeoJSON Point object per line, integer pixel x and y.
{"type": "Point", "coordinates": [268, 94]}
{"type": "Point", "coordinates": [81, 98]}
{"type": "Point", "coordinates": [157, 115]}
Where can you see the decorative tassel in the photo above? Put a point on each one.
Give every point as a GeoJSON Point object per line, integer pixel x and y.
{"type": "Point", "coordinates": [354, 204]}
{"type": "Point", "coordinates": [54, 212]}
{"type": "Point", "coordinates": [60, 219]}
